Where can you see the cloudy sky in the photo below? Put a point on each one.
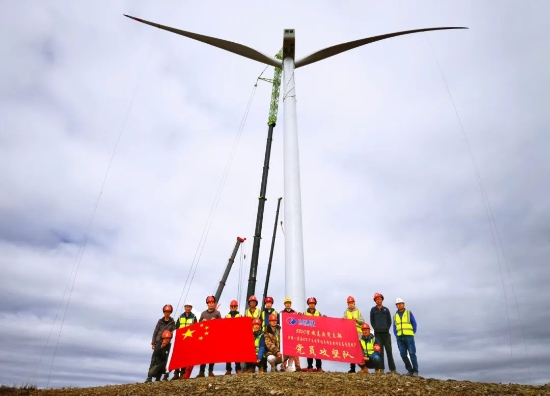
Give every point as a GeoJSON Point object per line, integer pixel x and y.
{"type": "Point", "coordinates": [391, 200]}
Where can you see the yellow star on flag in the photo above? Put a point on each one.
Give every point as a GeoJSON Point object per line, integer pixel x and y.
{"type": "Point", "coordinates": [189, 333]}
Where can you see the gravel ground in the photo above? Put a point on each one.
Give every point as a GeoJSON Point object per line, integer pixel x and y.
{"type": "Point", "coordinates": [280, 384]}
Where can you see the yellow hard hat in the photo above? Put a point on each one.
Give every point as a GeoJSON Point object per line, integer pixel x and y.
{"type": "Point", "coordinates": [287, 300]}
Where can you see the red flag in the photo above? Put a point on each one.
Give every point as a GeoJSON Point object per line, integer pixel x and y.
{"type": "Point", "coordinates": [213, 341]}
{"type": "Point", "coordinates": [320, 337]}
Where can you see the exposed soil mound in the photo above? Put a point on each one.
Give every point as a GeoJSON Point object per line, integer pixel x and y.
{"type": "Point", "coordinates": [270, 384]}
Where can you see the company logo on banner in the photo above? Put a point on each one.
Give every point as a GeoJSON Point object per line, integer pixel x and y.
{"type": "Point", "coordinates": [320, 337]}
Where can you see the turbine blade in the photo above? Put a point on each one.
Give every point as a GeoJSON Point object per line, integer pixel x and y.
{"type": "Point", "coordinates": [230, 46]}
{"type": "Point", "coordinates": [338, 49]}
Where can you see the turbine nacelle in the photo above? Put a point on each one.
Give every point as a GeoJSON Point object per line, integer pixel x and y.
{"type": "Point", "coordinates": [289, 43]}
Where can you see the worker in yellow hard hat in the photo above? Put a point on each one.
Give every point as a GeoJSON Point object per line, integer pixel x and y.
{"type": "Point", "coordinates": [287, 366]}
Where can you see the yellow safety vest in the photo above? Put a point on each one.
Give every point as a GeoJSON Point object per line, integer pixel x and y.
{"type": "Point", "coordinates": [257, 342]}
{"type": "Point", "coordinates": [403, 324]}
{"type": "Point", "coordinates": [249, 314]}
{"type": "Point", "coordinates": [316, 313]}
{"type": "Point", "coordinates": [229, 316]}
{"type": "Point", "coordinates": [354, 315]}
{"type": "Point", "coordinates": [186, 321]}
{"type": "Point", "coordinates": [368, 347]}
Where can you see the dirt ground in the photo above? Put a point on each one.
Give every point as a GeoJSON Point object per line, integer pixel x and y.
{"type": "Point", "coordinates": [297, 384]}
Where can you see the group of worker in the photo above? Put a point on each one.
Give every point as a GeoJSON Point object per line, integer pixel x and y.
{"type": "Point", "coordinates": [266, 331]}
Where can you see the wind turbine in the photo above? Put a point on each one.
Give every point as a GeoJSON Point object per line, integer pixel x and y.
{"type": "Point", "coordinates": [294, 251]}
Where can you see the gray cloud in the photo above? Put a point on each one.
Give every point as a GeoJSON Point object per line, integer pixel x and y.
{"type": "Point", "coordinates": [391, 201]}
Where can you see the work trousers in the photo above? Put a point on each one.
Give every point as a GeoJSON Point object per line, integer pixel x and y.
{"type": "Point", "coordinates": [384, 338]}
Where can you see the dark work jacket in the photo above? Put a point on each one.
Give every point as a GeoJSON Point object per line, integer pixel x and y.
{"type": "Point", "coordinates": [380, 319]}
{"type": "Point", "coordinates": [160, 354]}
{"type": "Point", "coordinates": [161, 326]}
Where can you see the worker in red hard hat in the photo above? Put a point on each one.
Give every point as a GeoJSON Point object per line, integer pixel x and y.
{"type": "Point", "coordinates": [187, 318]}
{"type": "Point", "coordinates": [267, 311]}
{"type": "Point", "coordinates": [404, 329]}
{"type": "Point", "coordinates": [259, 343]}
{"type": "Point", "coordinates": [210, 313]}
{"type": "Point", "coordinates": [312, 311]}
{"type": "Point", "coordinates": [371, 351]}
{"type": "Point", "coordinates": [273, 343]}
{"type": "Point", "coordinates": [380, 320]}
{"type": "Point", "coordinates": [160, 357]}
{"type": "Point", "coordinates": [265, 315]}
{"type": "Point", "coordinates": [163, 324]}
{"type": "Point", "coordinates": [233, 313]}
{"type": "Point", "coordinates": [353, 313]}
{"type": "Point", "coordinates": [290, 359]}
{"type": "Point", "coordinates": [252, 311]}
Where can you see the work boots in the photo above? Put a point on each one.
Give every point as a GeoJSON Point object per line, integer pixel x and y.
{"type": "Point", "coordinates": [364, 370]}
{"type": "Point", "coordinates": [200, 374]}
{"type": "Point", "coordinates": [228, 372]}
{"type": "Point", "coordinates": [351, 368]}
{"type": "Point", "coordinates": [211, 374]}
{"type": "Point", "coordinates": [176, 376]}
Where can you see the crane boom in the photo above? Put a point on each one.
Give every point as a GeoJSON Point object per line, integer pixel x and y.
{"type": "Point", "coordinates": [272, 120]}
{"type": "Point", "coordinates": [274, 105]}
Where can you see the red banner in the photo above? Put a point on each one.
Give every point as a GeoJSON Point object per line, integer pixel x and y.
{"type": "Point", "coordinates": [320, 337]}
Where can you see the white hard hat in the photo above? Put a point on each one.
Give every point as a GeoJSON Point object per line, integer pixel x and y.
{"type": "Point", "coordinates": [187, 303]}
{"type": "Point", "coordinates": [399, 300]}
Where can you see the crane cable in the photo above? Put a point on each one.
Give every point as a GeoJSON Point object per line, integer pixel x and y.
{"type": "Point", "coordinates": [492, 222]}
{"type": "Point", "coordinates": [242, 256]}
{"type": "Point", "coordinates": [208, 224]}
{"type": "Point", "coordinates": [78, 259]}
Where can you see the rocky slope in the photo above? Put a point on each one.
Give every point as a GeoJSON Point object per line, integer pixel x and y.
{"type": "Point", "coordinates": [297, 384]}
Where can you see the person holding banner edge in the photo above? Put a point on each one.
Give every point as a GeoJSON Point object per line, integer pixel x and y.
{"type": "Point", "coordinates": [312, 311]}
{"type": "Point", "coordinates": [355, 314]}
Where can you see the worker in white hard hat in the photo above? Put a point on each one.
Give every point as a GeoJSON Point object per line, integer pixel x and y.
{"type": "Point", "coordinates": [404, 329]}
{"type": "Point", "coordinates": [187, 318]}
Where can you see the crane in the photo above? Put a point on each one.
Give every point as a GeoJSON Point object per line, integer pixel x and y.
{"type": "Point", "coordinates": [271, 122]}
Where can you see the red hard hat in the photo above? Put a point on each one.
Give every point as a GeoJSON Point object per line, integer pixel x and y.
{"type": "Point", "coordinates": [233, 303]}
{"type": "Point", "coordinates": [376, 348]}
{"type": "Point", "coordinates": [350, 299]}
{"type": "Point", "coordinates": [252, 298]}
{"type": "Point", "coordinates": [166, 307]}
{"type": "Point", "coordinates": [269, 299]}
{"type": "Point", "coordinates": [257, 322]}
{"type": "Point", "coordinates": [312, 300]}
{"type": "Point", "coordinates": [376, 295]}
{"type": "Point", "coordinates": [272, 317]}
{"type": "Point", "coordinates": [210, 299]}
{"type": "Point", "coordinates": [365, 326]}
{"type": "Point", "coordinates": [166, 334]}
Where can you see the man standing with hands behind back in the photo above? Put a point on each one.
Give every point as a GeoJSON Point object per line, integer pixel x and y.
{"type": "Point", "coordinates": [380, 320]}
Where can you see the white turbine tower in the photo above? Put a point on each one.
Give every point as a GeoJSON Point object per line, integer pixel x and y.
{"type": "Point", "coordinates": [294, 251]}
